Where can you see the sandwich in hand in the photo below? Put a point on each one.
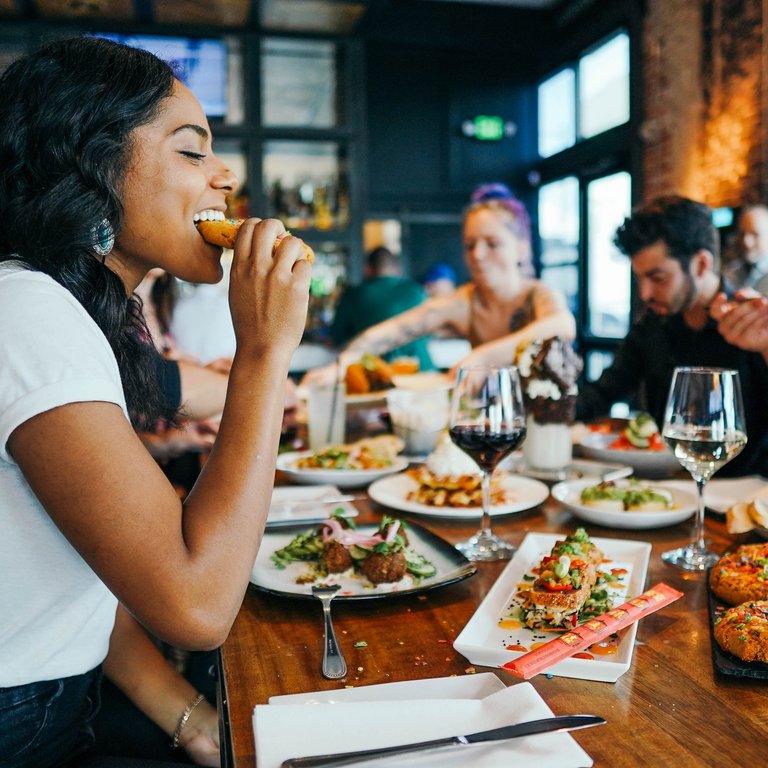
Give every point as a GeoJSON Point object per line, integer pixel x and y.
{"type": "Point", "coordinates": [223, 232]}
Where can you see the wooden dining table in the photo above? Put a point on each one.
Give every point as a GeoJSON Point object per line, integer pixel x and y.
{"type": "Point", "coordinates": [671, 708]}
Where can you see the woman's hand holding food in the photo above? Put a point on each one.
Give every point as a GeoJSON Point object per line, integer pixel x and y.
{"type": "Point", "coordinates": [268, 293]}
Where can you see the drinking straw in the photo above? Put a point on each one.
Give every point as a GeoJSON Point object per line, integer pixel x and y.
{"type": "Point", "coordinates": [530, 664]}
{"type": "Point", "coordinates": [334, 400]}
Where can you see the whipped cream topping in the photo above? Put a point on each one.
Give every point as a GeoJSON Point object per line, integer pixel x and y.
{"type": "Point", "coordinates": [448, 460]}
{"type": "Point", "coordinates": [549, 369]}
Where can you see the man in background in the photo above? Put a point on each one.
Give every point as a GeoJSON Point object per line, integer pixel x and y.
{"type": "Point", "coordinates": [673, 245]}
{"type": "Point", "coordinates": [750, 268]}
{"type": "Point", "coordinates": [383, 293]}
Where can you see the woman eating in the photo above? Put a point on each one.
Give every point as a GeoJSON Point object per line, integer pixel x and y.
{"type": "Point", "coordinates": [105, 165]}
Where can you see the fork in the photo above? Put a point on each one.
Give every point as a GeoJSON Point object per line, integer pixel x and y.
{"type": "Point", "coordinates": [334, 665]}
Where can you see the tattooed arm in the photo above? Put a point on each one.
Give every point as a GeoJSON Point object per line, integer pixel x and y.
{"type": "Point", "coordinates": [423, 320]}
{"type": "Point", "coordinates": [444, 312]}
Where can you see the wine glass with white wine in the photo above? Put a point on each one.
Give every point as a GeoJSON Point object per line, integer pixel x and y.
{"type": "Point", "coordinates": [487, 423]}
{"type": "Point", "coordinates": [704, 427]}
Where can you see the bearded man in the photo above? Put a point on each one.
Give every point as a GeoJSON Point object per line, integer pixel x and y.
{"type": "Point", "coordinates": [674, 249]}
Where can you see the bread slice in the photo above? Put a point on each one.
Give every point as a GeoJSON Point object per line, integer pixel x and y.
{"type": "Point", "coordinates": [223, 233]}
{"type": "Point", "coordinates": [569, 601]}
{"type": "Point", "coordinates": [758, 511]}
{"type": "Point", "coordinates": [738, 518]}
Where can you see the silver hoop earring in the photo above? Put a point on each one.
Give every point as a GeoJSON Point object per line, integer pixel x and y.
{"type": "Point", "coordinates": [102, 238]}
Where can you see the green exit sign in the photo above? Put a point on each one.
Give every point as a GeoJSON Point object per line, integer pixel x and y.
{"type": "Point", "coordinates": [488, 128]}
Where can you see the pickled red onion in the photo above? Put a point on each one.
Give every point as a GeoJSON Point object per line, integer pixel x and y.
{"type": "Point", "coordinates": [347, 536]}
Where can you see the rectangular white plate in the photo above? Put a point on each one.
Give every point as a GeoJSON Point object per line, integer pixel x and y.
{"type": "Point", "coordinates": [484, 642]}
{"type": "Point", "coordinates": [304, 504]}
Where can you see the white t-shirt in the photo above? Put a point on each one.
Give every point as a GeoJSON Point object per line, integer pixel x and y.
{"type": "Point", "coordinates": [56, 615]}
{"type": "Point", "coordinates": [202, 324]}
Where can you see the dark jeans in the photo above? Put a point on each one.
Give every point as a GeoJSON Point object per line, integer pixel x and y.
{"type": "Point", "coordinates": [47, 724]}
{"type": "Point", "coordinates": [84, 721]}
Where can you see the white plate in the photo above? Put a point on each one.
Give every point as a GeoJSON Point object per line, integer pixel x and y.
{"type": "Point", "coordinates": [569, 494]}
{"type": "Point", "coordinates": [523, 492]}
{"type": "Point", "coordinates": [378, 720]}
{"type": "Point", "coordinates": [366, 398]}
{"type": "Point", "coordinates": [594, 445]}
{"type": "Point", "coordinates": [576, 470]}
{"type": "Point", "coordinates": [451, 566]}
{"type": "Point", "coordinates": [341, 478]}
{"type": "Point", "coordinates": [483, 641]}
{"type": "Point", "coordinates": [425, 381]}
{"type": "Point", "coordinates": [467, 687]}
{"type": "Point", "coordinates": [297, 505]}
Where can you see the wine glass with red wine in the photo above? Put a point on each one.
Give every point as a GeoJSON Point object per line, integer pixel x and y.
{"type": "Point", "coordinates": [487, 423]}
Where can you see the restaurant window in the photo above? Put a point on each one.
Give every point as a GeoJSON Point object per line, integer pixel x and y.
{"type": "Point", "coordinates": [557, 113]}
{"type": "Point", "coordinates": [604, 87]}
{"type": "Point", "coordinates": [585, 99]}
{"type": "Point", "coordinates": [559, 235]}
{"type": "Point", "coordinates": [577, 221]}
{"type": "Point", "coordinates": [298, 83]}
{"type": "Point", "coordinates": [608, 270]}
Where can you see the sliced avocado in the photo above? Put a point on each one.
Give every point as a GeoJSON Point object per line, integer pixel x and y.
{"type": "Point", "coordinates": [636, 440]}
{"type": "Point", "coordinates": [643, 425]}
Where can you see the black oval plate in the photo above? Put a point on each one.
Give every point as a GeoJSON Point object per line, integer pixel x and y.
{"type": "Point", "coordinates": [452, 566]}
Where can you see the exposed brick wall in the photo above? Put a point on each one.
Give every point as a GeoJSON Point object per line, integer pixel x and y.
{"type": "Point", "coordinates": [704, 81]}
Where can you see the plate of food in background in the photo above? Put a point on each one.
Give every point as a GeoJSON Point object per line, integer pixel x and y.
{"type": "Point", "coordinates": [448, 485]}
{"type": "Point", "coordinates": [625, 504]}
{"type": "Point", "coordinates": [350, 465]}
{"type": "Point", "coordinates": [638, 445]}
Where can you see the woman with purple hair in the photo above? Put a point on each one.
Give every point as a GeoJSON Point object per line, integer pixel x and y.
{"type": "Point", "coordinates": [502, 308]}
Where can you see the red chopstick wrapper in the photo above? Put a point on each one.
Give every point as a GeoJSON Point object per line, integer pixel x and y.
{"type": "Point", "coordinates": [530, 664]}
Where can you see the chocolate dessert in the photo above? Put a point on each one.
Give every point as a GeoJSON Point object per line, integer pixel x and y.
{"type": "Point", "coordinates": [549, 370]}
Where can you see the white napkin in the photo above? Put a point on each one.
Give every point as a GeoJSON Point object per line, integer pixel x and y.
{"type": "Point", "coordinates": [294, 730]}
{"type": "Point", "coordinates": [721, 494]}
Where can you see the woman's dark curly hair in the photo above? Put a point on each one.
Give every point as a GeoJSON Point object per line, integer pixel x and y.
{"type": "Point", "coordinates": [684, 225]}
{"type": "Point", "coordinates": [66, 117]}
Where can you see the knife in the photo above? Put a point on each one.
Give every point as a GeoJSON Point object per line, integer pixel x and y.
{"type": "Point", "coordinates": [547, 725]}
{"type": "Point", "coordinates": [616, 474]}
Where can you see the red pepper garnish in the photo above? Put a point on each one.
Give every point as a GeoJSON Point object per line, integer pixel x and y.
{"type": "Point", "coordinates": [552, 587]}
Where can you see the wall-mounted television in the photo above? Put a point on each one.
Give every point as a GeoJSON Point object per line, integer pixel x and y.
{"type": "Point", "coordinates": [200, 63]}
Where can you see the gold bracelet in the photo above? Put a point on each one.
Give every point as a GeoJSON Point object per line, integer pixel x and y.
{"type": "Point", "coordinates": [185, 715]}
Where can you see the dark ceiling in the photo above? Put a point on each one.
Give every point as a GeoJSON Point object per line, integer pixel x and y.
{"type": "Point", "coordinates": [338, 17]}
